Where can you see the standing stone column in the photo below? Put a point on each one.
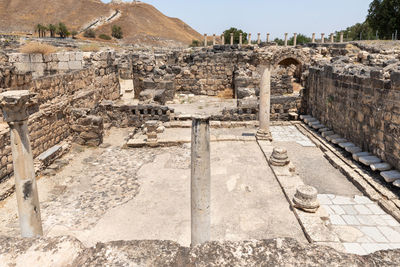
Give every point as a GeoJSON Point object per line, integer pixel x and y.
{"type": "Point", "coordinates": [286, 39]}
{"type": "Point", "coordinates": [214, 39]}
{"type": "Point", "coordinates": [249, 40]}
{"type": "Point", "coordinates": [263, 132]}
{"type": "Point", "coordinates": [313, 38]}
{"type": "Point", "coordinates": [332, 38]}
{"type": "Point", "coordinates": [258, 38]}
{"type": "Point", "coordinates": [223, 39]}
{"type": "Point", "coordinates": [341, 37]}
{"type": "Point", "coordinates": [200, 181]}
{"type": "Point", "coordinates": [231, 38]}
{"type": "Point", "coordinates": [295, 39]}
{"type": "Point", "coordinates": [15, 112]}
{"type": "Point", "coordinates": [241, 39]}
{"type": "Point", "coordinates": [205, 40]}
{"type": "Point", "coordinates": [322, 38]}
{"type": "Point", "coordinates": [267, 38]}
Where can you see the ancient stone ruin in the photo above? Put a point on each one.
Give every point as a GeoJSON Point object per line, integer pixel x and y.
{"type": "Point", "coordinates": [295, 148]}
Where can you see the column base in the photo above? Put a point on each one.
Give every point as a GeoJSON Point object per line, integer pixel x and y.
{"type": "Point", "coordinates": [264, 135]}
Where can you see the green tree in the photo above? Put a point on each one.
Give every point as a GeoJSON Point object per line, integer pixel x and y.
{"type": "Point", "coordinates": [74, 34]}
{"type": "Point", "coordinates": [41, 30]}
{"type": "Point", "coordinates": [359, 31]}
{"type": "Point", "coordinates": [384, 17]}
{"type": "Point", "coordinates": [52, 29]}
{"type": "Point", "coordinates": [62, 30]}
{"type": "Point", "coordinates": [301, 39]}
{"type": "Point", "coordinates": [236, 35]}
{"type": "Point", "coordinates": [279, 41]}
{"type": "Point", "coordinates": [116, 32]}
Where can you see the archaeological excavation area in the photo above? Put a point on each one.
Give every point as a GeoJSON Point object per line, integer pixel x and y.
{"type": "Point", "coordinates": [224, 155]}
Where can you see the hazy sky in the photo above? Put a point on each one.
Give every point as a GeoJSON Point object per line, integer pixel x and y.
{"type": "Point", "coordinates": [274, 16]}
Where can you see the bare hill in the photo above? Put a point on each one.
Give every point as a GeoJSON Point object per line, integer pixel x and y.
{"type": "Point", "coordinates": [137, 20]}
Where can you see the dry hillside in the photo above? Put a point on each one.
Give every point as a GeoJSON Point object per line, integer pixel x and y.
{"type": "Point", "coordinates": [136, 20]}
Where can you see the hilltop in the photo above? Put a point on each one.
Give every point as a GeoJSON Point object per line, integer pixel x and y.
{"type": "Point", "coordinates": [140, 21]}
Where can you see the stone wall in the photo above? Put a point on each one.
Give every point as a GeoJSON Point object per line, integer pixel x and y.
{"type": "Point", "coordinates": [362, 107]}
{"type": "Point", "coordinates": [219, 70]}
{"type": "Point", "coordinates": [57, 96]}
{"type": "Point", "coordinates": [132, 115]}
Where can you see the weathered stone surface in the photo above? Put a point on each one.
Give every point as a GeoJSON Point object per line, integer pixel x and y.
{"type": "Point", "coordinates": [381, 166]}
{"type": "Point", "coordinates": [390, 176]}
{"type": "Point", "coordinates": [369, 160]}
{"type": "Point", "coordinates": [46, 252]}
{"type": "Point", "coordinates": [67, 251]}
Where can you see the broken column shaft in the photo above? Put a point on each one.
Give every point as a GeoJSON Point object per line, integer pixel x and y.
{"type": "Point", "coordinates": [15, 112]}
{"type": "Point", "coordinates": [263, 132]}
{"type": "Point", "coordinates": [231, 38]}
{"type": "Point", "coordinates": [200, 181]}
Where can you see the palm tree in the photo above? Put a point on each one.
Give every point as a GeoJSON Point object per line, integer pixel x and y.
{"type": "Point", "coordinates": [38, 29]}
{"type": "Point", "coordinates": [53, 29]}
{"type": "Point", "coordinates": [44, 30]}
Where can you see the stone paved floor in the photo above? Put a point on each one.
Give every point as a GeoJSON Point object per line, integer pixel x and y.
{"type": "Point", "coordinates": [112, 194]}
{"type": "Point", "coordinates": [290, 134]}
{"type": "Point", "coordinates": [362, 226]}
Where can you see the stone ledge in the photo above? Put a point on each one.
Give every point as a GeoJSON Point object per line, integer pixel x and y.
{"type": "Point", "coordinates": [61, 251]}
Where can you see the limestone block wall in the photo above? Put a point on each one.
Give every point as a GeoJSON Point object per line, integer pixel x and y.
{"type": "Point", "coordinates": [211, 71]}
{"type": "Point", "coordinates": [50, 123]}
{"type": "Point", "coordinates": [41, 65]}
{"type": "Point", "coordinates": [362, 108]}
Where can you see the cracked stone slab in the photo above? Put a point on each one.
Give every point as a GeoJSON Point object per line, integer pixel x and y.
{"type": "Point", "coordinates": [322, 130]}
{"type": "Point", "coordinates": [328, 133]}
{"type": "Point", "coordinates": [381, 166]}
{"type": "Point", "coordinates": [331, 137]}
{"type": "Point", "coordinates": [369, 160]}
{"type": "Point", "coordinates": [339, 140]}
{"type": "Point", "coordinates": [311, 123]}
{"type": "Point", "coordinates": [347, 144]}
{"type": "Point", "coordinates": [302, 117]}
{"type": "Point", "coordinates": [353, 149]}
{"type": "Point", "coordinates": [318, 126]}
{"type": "Point", "coordinates": [308, 120]}
{"type": "Point", "coordinates": [356, 156]}
{"type": "Point", "coordinates": [390, 176]}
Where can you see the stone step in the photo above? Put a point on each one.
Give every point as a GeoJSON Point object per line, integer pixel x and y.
{"type": "Point", "coordinates": [331, 137]}
{"type": "Point", "coordinates": [369, 160]}
{"type": "Point", "coordinates": [307, 120]}
{"type": "Point", "coordinates": [381, 167]}
{"type": "Point", "coordinates": [353, 149]}
{"type": "Point", "coordinates": [302, 117]}
{"type": "Point", "coordinates": [337, 141]}
{"type": "Point", "coordinates": [396, 183]}
{"type": "Point", "coordinates": [328, 133]}
{"type": "Point", "coordinates": [311, 123]}
{"type": "Point", "coordinates": [344, 145]}
{"type": "Point", "coordinates": [323, 130]}
{"type": "Point", "coordinates": [390, 176]}
{"type": "Point", "coordinates": [318, 126]}
{"type": "Point", "coordinates": [356, 156]}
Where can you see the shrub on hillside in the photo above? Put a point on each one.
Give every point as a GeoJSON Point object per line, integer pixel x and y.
{"type": "Point", "coordinates": [195, 43]}
{"type": "Point", "coordinates": [89, 33]}
{"type": "Point", "coordinates": [104, 37]}
{"type": "Point", "coordinates": [37, 48]}
{"type": "Point", "coordinates": [116, 32]}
